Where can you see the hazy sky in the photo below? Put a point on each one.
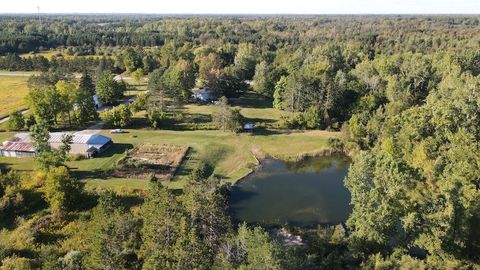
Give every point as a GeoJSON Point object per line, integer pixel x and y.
{"type": "Point", "coordinates": [244, 6]}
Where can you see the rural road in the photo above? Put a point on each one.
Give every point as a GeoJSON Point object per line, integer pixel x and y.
{"type": "Point", "coordinates": [5, 119]}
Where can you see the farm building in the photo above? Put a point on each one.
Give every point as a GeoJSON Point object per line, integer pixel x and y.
{"type": "Point", "coordinates": [89, 145]}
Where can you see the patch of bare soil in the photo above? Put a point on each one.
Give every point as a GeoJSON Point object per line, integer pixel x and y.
{"type": "Point", "coordinates": [146, 160]}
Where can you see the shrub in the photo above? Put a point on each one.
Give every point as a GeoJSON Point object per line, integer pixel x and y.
{"type": "Point", "coordinates": [16, 263]}
{"type": "Point", "coordinates": [76, 157]}
{"type": "Point", "coordinates": [16, 121]}
{"type": "Point", "coordinates": [120, 116]}
{"type": "Point", "coordinates": [157, 118]}
{"type": "Point", "coordinates": [335, 144]}
{"type": "Point", "coordinates": [139, 103]}
{"type": "Point", "coordinates": [293, 122]}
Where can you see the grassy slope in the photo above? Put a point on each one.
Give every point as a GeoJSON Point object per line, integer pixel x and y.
{"type": "Point", "coordinates": [12, 94]}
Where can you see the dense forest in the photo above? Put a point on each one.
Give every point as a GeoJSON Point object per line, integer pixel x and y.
{"type": "Point", "coordinates": [404, 91]}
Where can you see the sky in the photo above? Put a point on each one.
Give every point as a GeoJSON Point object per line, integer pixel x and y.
{"type": "Point", "coordinates": [245, 6]}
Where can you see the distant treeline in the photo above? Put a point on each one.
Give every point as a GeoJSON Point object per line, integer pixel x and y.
{"type": "Point", "coordinates": [387, 34]}
{"type": "Point", "coordinates": [13, 62]}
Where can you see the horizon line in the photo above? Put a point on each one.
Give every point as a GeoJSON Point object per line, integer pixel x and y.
{"type": "Point", "coordinates": [235, 14]}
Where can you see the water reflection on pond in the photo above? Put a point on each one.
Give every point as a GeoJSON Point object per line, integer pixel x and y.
{"type": "Point", "coordinates": [302, 193]}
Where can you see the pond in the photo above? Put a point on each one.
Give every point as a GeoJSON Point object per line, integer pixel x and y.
{"type": "Point", "coordinates": [305, 193]}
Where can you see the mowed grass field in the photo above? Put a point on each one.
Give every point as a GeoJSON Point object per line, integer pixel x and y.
{"type": "Point", "coordinates": [13, 90]}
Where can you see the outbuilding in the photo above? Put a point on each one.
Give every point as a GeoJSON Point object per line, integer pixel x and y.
{"type": "Point", "coordinates": [88, 145]}
{"type": "Point", "coordinates": [249, 127]}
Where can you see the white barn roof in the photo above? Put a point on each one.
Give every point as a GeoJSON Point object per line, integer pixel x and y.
{"type": "Point", "coordinates": [21, 142]}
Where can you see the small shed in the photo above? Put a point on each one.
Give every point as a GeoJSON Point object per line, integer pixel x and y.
{"type": "Point", "coordinates": [98, 102]}
{"type": "Point", "coordinates": [91, 152]}
{"type": "Point", "coordinates": [249, 127]}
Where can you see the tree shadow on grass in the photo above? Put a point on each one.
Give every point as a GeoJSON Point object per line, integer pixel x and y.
{"type": "Point", "coordinates": [130, 201]}
{"type": "Point", "coordinates": [93, 174]}
{"type": "Point", "coordinates": [259, 120]}
{"type": "Point", "coordinates": [253, 100]}
{"type": "Point", "coordinates": [116, 148]}
{"type": "Point", "coordinates": [265, 132]}
{"type": "Point", "coordinates": [184, 170]}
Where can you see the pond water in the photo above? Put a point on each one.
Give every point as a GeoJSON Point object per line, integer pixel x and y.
{"type": "Point", "coordinates": [305, 193]}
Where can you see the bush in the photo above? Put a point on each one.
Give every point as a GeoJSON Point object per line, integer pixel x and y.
{"type": "Point", "coordinates": [30, 121]}
{"type": "Point", "coordinates": [76, 157]}
{"type": "Point", "coordinates": [202, 171]}
{"type": "Point", "coordinates": [335, 144]}
{"type": "Point", "coordinates": [157, 118]}
{"type": "Point", "coordinates": [139, 103]}
{"type": "Point", "coordinates": [120, 116]}
{"type": "Point", "coordinates": [16, 263]}
{"type": "Point", "coordinates": [16, 121]}
{"type": "Point", "coordinates": [293, 122]}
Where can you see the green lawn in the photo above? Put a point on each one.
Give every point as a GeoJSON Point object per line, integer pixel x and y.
{"type": "Point", "coordinates": [253, 108]}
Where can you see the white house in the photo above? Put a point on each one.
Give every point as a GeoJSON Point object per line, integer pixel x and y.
{"type": "Point", "coordinates": [204, 95]}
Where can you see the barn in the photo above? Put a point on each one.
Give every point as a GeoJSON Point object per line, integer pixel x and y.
{"type": "Point", "coordinates": [88, 145]}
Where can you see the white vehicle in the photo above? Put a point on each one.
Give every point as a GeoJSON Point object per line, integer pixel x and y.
{"type": "Point", "coordinates": [118, 130]}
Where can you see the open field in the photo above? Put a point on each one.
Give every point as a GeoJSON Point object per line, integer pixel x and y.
{"type": "Point", "coordinates": [46, 54]}
{"type": "Point", "coordinates": [58, 53]}
{"type": "Point", "coordinates": [12, 94]}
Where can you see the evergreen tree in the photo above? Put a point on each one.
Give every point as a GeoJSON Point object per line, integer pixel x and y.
{"type": "Point", "coordinates": [86, 84]}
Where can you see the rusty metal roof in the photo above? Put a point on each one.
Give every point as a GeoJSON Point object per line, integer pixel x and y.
{"type": "Point", "coordinates": [17, 146]}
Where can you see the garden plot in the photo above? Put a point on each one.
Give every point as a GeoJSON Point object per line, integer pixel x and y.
{"type": "Point", "coordinates": [146, 160]}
